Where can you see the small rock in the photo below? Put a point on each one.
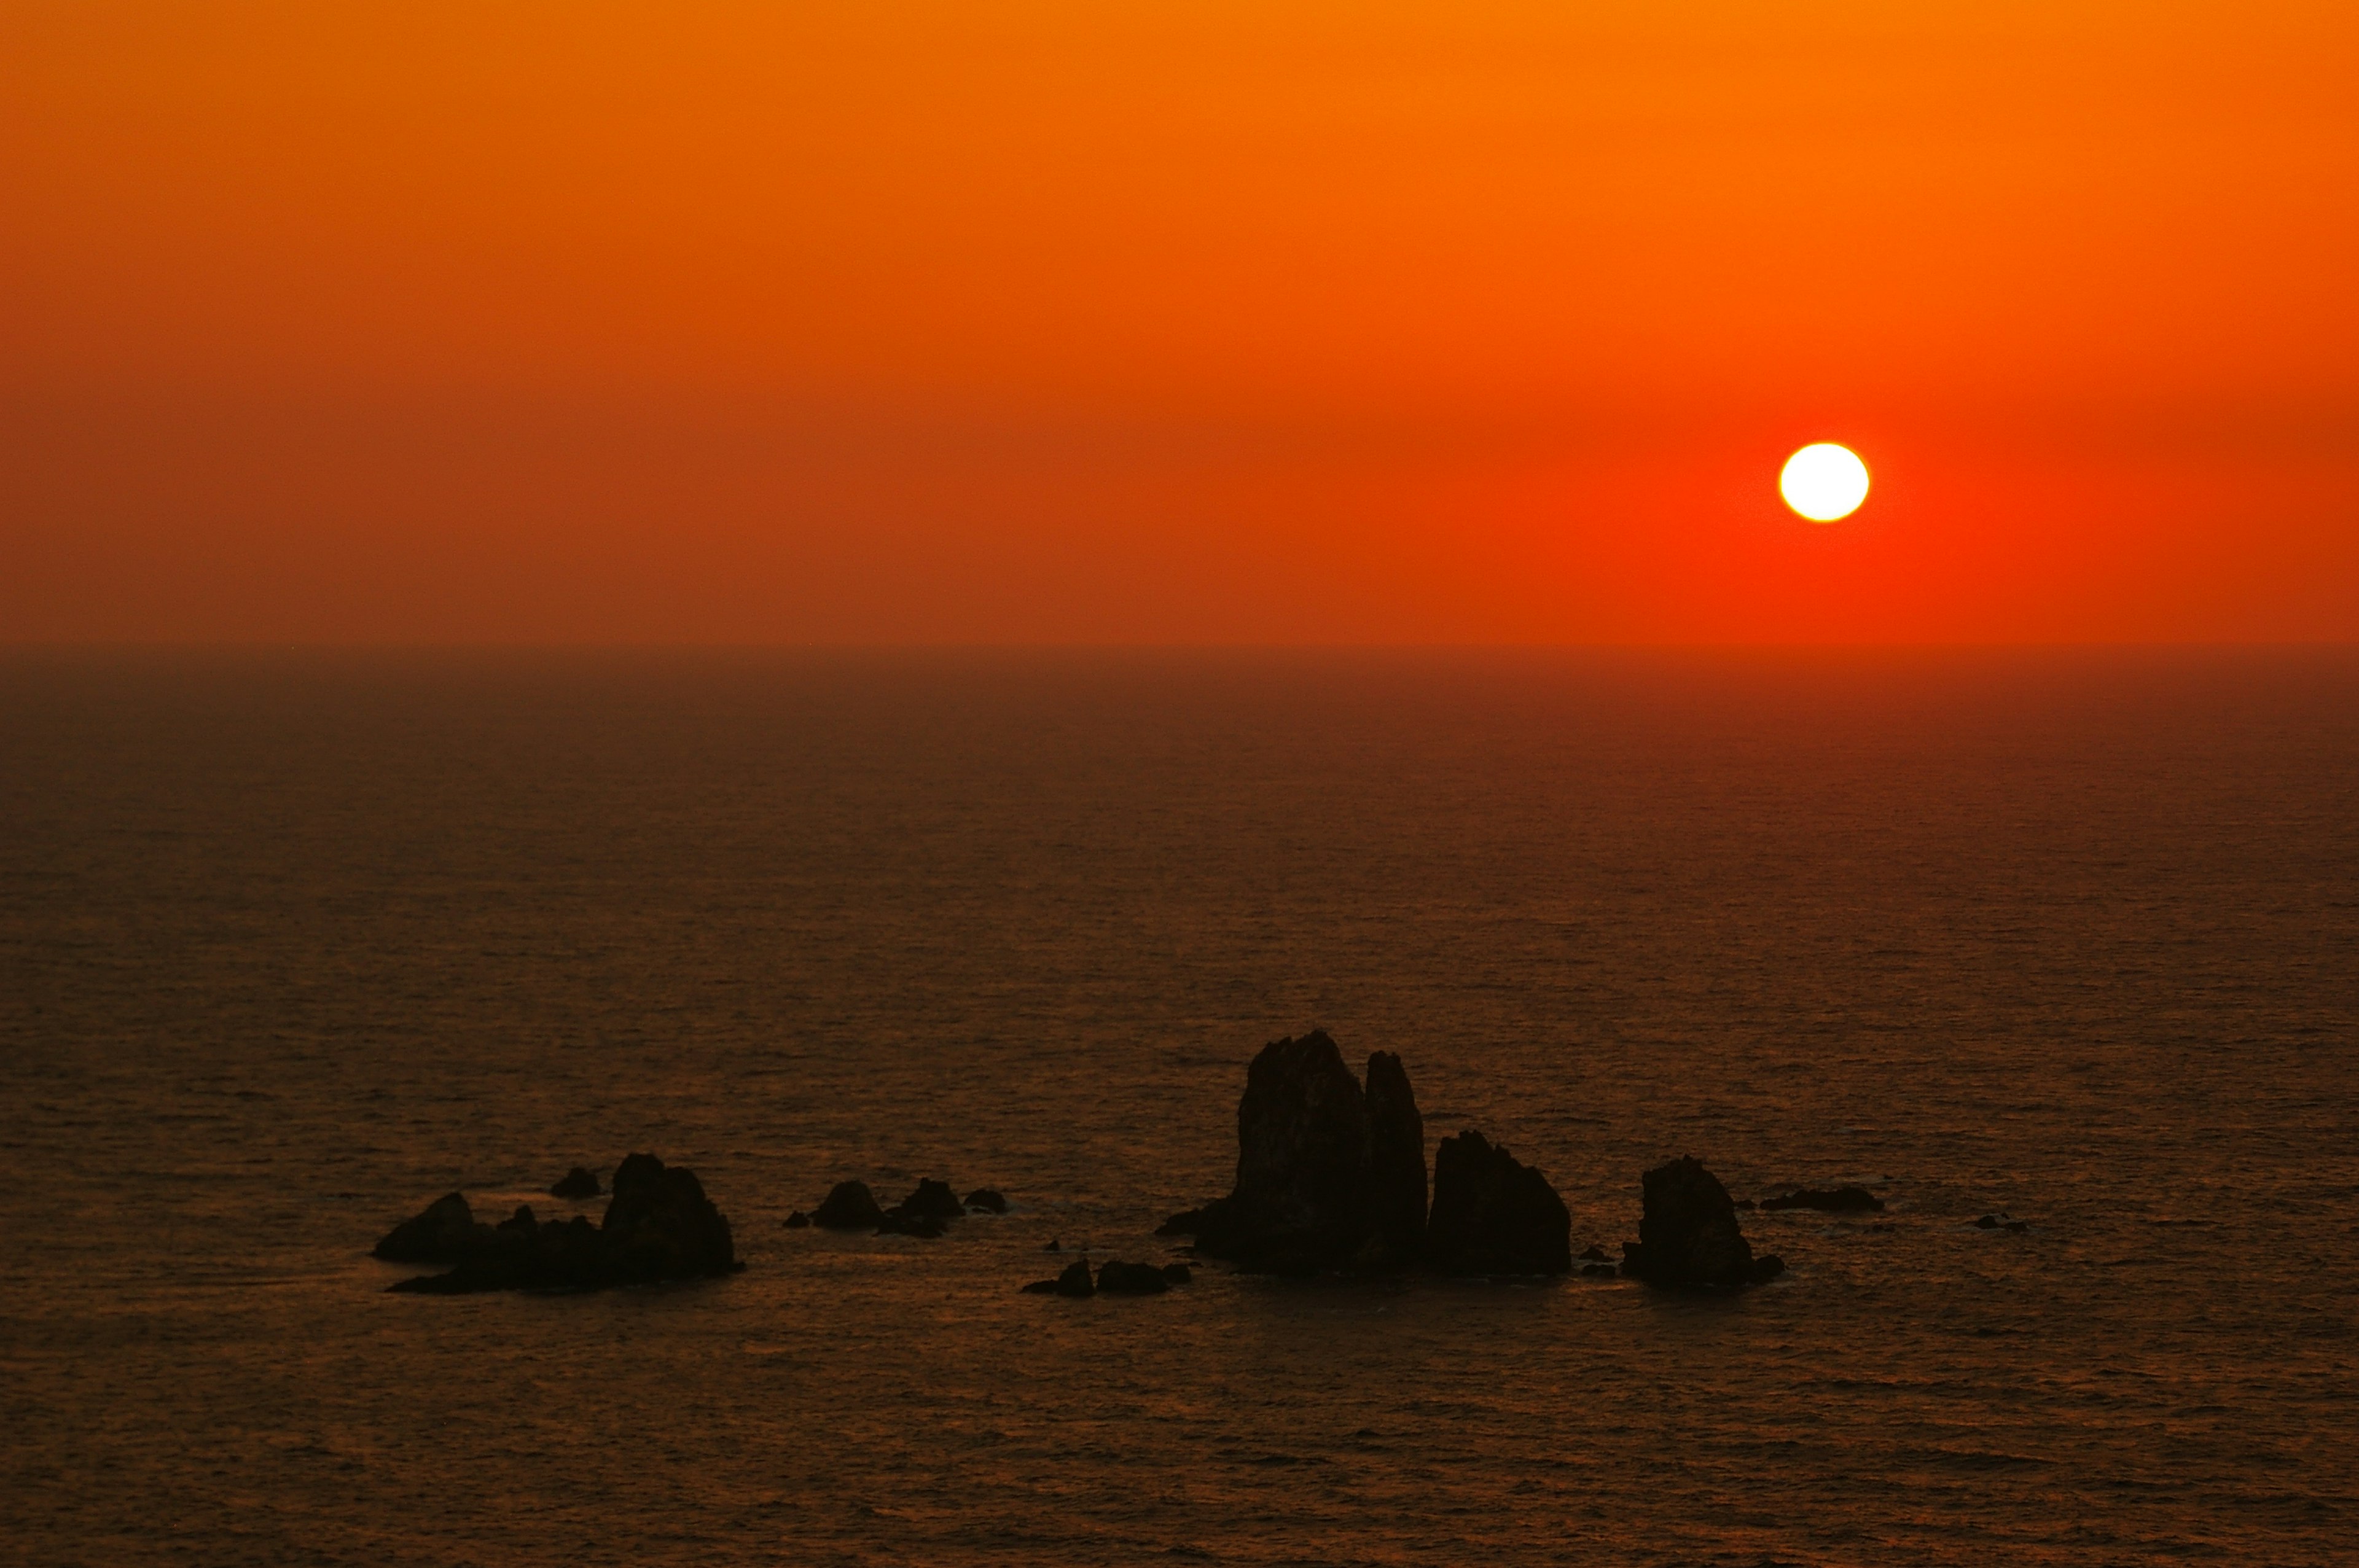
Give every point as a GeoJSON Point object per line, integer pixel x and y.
{"type": "Point", "coordinates": [1042, 1288]}
{"type": "Point", "coordinates": [1595, 1254]}
{"type": "Point", "coordinates": [1075, 1280]}
{"type": "Point", "coordinates": [799, 1220]}
{"type": "Point", "coordinates": [1826, 1200]}
{"type": "Point", "coordinates": [899, 1221]}
{"type": "Point", "coordinates": [934, 1200]}
{"type": "Point", "coordinates": [1054, 1246]}
{"type": "Point", "coordinates": [1178, 1273]}
{"type": "Point", "coordinates": [578, 1183]}
{"type": "Point", "coordinates": [2019, 1226]}
{"type": "Point", "coordinates": [850, 1205]}
{"type": "Point", "coordinates": [989, 1200]}
{"type": "Point", "coordinates": [1117, 1277]}
{"type": "Point", "coordinates": [1987, 1222]}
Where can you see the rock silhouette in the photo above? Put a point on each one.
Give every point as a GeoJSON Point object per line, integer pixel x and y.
{"type": "Point", "coordinates": [932, 1200]}
{"type": "Point", "coordinates": [988, 1200]}
{"type": "Point", "coordinates": [1493, 1215]}
{"type": "Point", "coordinates": [1321, 1182]}
{"type": "Point", "coordinates": [658, 1226]}
{"type": "Point", "coordinates": [849, 1206]}
{"type": "Point", "coordinates": [577, 1183]}
{"type": "Point", "coordinates": [443, 1232]}
{"type": "Point", "coordinates": [1827, 1200]}
{"type": "Point", "coordinates": [1075, 1280]}
{"type": "Point", "coordinates": [1688, 1235]}
{"type": "Point", "coordinates": [1120, 1279]}
{"type": "Point", "coordinates": [1396, 1165]}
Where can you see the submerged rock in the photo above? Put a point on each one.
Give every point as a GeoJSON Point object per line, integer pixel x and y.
{"type": "Point", "coordinates": [1688, 1235]}
{"type": "Point", "coordinates": [849, 1206]}
{"type": "Point", "coordinates": [1324, 1177]}
{"type": "Point", "coordinates": [1493, 1215]}
{"type": "Point", "coordinates": [577, 1183]}
{"type": "Point", "coordinates": [1120, 1279]}
{"type": "Point", "coordinates": [1827, 1200]}
{"type": "Point", "coordinates": [658, 1226]}
{"type": "Point", "coordinates": [899, 1221]}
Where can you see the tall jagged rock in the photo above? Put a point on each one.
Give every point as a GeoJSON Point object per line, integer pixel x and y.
{"type": "Point", "coordinates": [1320, 1182]}
{"type": "Point", "coordinates": [1395, 1162]}
{"type": "Point", "coordinates": [1494, 1215]}
{"type": "Point", "coordinates": [1687, 1234]}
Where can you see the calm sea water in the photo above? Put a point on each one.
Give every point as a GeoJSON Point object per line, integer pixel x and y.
{"type": "Point", "coordinates": [290, 945]}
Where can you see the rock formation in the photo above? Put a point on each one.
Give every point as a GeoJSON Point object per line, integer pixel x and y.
{"type": "Point", "coordinates": [1074, 1282]}
{"type": "Point", "coordinates": [1119, 1279]}
{"type": "Point", "coordinates": [1324, 1178]}
{"type": "Point", "coordinates": [1397, 1224]}
{"type": "Point", "coordinates": [931, 1200]}
{"type": "Point", "coordinates": [1493, 1215]}
{"type": "Point", "coordinates": [926, 1212]}
{"type": "Point", "coordinates": [850, 1205]}
{"type": "Point", "coordinates": [1688, 1235]}
{"type": "Point", "coordinates": [658, 1226]}
{"type": "Point", "coordinates": [444, 1232]}
{"type": "Point", "coordinates": [1827, 1200]}
{"type": "Point", "coordinates": [578, 1183]}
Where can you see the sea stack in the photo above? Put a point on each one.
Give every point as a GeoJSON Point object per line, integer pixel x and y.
{"type": "Point", "coordinates": [1688, 1235]}
{"type": "Point", "coordinates": [1493, 1215]}
{"type": "Point", "coordinates": [1329, 1175]}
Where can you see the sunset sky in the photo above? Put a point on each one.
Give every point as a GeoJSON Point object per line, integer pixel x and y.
{"type": "Point", "coordinates": [1160, 322]}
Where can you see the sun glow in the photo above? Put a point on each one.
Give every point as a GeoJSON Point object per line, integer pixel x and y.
{"type": "Point", "coordinates": [1824, 481]}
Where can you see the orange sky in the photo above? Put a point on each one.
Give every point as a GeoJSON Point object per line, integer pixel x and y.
{"type": "Point", "coordinates": [1200, 321]}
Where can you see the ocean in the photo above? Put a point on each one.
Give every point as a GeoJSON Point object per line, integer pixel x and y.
{"type": "Point", "coordinates": [292, 943]}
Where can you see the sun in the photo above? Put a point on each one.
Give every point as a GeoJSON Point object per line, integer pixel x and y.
{"type": "Point", "coordinates": [1824, 481]}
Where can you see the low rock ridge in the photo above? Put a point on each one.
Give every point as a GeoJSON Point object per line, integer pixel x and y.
{"type": "Point", "coordinates": [658, 1226]}
{"type": "Point", "coordinates": [926, 1212]}
{"type": "Point", "coordinates": [1331, 1175]}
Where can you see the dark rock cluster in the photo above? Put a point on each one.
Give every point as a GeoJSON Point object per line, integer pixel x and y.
{"type": "Point", "coordinates": [658, 1226]}
{"type": "Point", "coordinates": [1687, 1234]}
{"type": "Point", "coordinates": [1114, 1277]}
{"type": "Point", "coordinates": [926, 1212]}
{"type": "Point", "coordinates": [1331, 1175]}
